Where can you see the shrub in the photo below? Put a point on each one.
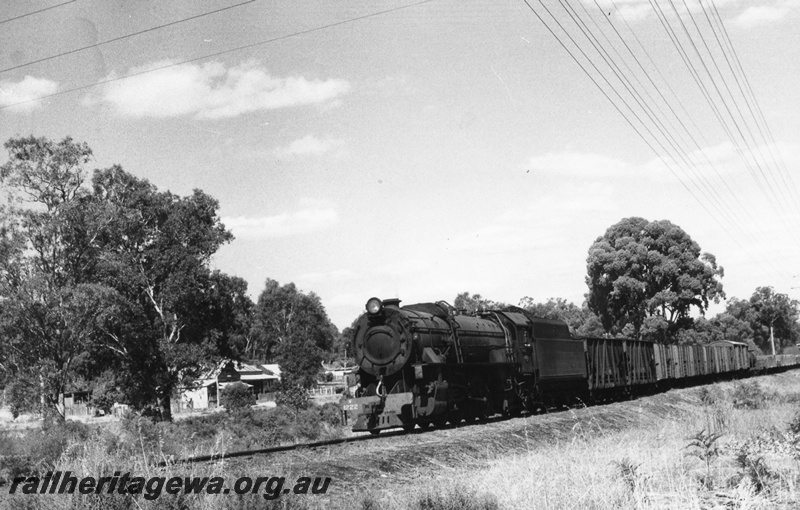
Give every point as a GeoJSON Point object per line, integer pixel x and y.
{"type": "Point", "coordinates": [308, 423]}
{"type": "Point", "coordinates": [22, 397]}
{"type": "Point", "coordinates": [37, 450]}
{"type": "Point", "coordinates": [293, 396]}
{"type": "Point", "coordinates": [237, 397]}
{"type": "Point", "coordinates": [794, 424]}
{"type": "Point", "coordinates": [628, 471]}
{"type": "Point", "coordinates": [703, 445]}
{"type": "Point", "coordinates": [756, 471]}
{"type": "Point", "coordinates": [749, 396]}
{"type": "Point", "coordinates": [331, 414]}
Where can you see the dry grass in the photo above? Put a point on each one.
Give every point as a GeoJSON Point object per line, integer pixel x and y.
{"type": "Point", "coordinates": [690, 448]}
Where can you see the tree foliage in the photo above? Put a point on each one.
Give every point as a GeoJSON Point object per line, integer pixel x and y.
{"type": "Point", "coordinates": [767, 310]}
{"type": "Point", "coordinates": [112, 274]}
{"type": "Point", "coordinates": [649, 275]}
{"type": "Point", "coordinates": [582, 322]}
{"type": "Point", "coordinates": [475, 303]}
{"type": "Point", "coordinates": [237, 397]}
{"type": "Point", "coordinates": [46, 253]}
{"type": "Point", "coordinates": [292, 329]}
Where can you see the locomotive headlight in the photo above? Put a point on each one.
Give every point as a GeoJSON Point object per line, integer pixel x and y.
{"type": "Point", "coordinates": [374, 306]}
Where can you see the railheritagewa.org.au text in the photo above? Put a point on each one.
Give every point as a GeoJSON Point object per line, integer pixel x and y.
{"type": "Point", "coordinates": [270, 487]}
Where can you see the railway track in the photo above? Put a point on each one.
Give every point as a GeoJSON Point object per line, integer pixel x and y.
{"type": "Point", "coordinates": [275, 449]}
{"type": "Point", "coordinates": [200, 459]}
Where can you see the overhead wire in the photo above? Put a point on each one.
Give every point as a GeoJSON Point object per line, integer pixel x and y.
{"type": "Point", "coordinates": [728, 212]}
{"type": "Point", "coordinates": [764, 184]}
{"type": "Point", "coordinates": [738, 65]}
{"type": "Point", "coordinates": [703, 89]}
{"type": "Point", "coordinates": [683, 159]}
{"type": "Point", "coordinates": [36, 12]}
{"type": "Point", "coordinates": [671, 138]}
{"type": "Point", "coordinates": [699, 132]}
{"type": "Point", "coordinates": [126, 36]}
{"type": "Point", "coordinates": [776, 200]}
{"type": "Point", "coordinates": [672, 135]}
{"type": "Point", "coordinates": [218, 53]}
{"type": "Point", "coordinates": [672, 110]}
{"type": "Point", "coordinates": [603, 91]}
{"type": "Point", "coordinates": [733, 73]}
{"type": "Point", "coordinates": [742, 127]}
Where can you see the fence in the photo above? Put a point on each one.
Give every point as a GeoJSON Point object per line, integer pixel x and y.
{"type": "Point", "coordinates": [325, 390]}
{"type": "Point", "coordinates": [78, 410]}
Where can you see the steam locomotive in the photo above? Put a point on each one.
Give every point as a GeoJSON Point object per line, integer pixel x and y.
{"type": "Point", "coordinates": [429, 364]}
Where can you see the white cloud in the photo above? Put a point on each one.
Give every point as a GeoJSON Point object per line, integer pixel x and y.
{"type": "Point", "coordinates": [212, 91]}
{"type": "Point", "coordinates": [308, 146]}
{"type": "Point", "coordinates": [25, 91]}
{"type": "Point", "coordinates": [631, 10]}
{"type": "Point", "coordinates": [760, 14]}
{"type": "Point", "coordinates": [637, 10]}
{"type": "Point", "coordinates": [311, 217]}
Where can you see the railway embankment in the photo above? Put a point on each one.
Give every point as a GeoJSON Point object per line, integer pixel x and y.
{"type": "Point", "coordinates": [733, 444]}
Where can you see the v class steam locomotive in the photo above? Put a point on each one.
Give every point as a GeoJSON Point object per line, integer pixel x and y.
{"type": "Point", "coordinates": [428, 364]}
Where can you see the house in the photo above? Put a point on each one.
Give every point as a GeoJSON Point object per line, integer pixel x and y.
{"type": "Point", "coordinates": [335, 379]}
{"type": "Point", "coordinates": [263, 379]}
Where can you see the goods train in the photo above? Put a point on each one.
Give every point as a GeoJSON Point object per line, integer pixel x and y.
{"type": "Point", "coordinates": [429, 364]}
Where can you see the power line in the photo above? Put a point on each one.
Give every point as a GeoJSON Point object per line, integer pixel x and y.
{"type": "Point", "coordinates": [115, 39]}
{"type": "Point", "coordinates": [741, 127]}
{"type": "Point", "coordinates": [212, 55]}
{"type": "Point", "coordinates": [749, 89]}
{"type": "Point", "coordinates": [614, 104]}
{"type": "Point", "coordinates": [708, 191]}
{"type": "Point", "coordinates": [646, 106]}
{"type": "Point", "coordinates": [663, 97]}
{"type": "Point", "coordinates": [36, 12]}
{"type": "Point", "coordinates": [673, 135]}
{"type": "Point", "coordinates": [745, 124]}
{"type": "Point", "coordinates": [704, 90]}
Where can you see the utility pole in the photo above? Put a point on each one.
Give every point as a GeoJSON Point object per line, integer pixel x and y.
{"type": "Point", "coordinates": [772, 339]}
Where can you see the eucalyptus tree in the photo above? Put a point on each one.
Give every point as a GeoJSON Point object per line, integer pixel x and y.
{"type": "Point", "coordinates": [292, 329]}
{"type": "Point", "coordinates": [650, 275]}
{"type": "Point", "coordinates": [118, 270]}
{"type": "Point", "coordinates": [47, 262]}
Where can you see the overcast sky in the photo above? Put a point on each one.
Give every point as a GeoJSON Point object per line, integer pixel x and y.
{"type": "Point", "coordinates": [443, 147]}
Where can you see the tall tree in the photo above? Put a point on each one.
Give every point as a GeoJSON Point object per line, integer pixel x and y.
{"type": "Point", "coordinates": [154, 255]}
{"type": "Point", "coordinates": [292, 329]}
{"type": "Point", "coordinates": [776, 315]}
{"type": "Point", "coordinates": [650, 275]}
{"type": "Point", "coordinates": [120, 268]}
{"type": "Point", "coordinates": [48, 246]}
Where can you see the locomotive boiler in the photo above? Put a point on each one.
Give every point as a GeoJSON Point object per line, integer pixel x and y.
{"type": "Point", "coordinates": [428, 363]}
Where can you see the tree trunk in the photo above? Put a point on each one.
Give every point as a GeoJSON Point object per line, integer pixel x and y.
{"type": "Point", "coordinates": [53, 409]}
{"type": "Point", "coordinates": [165, 406]}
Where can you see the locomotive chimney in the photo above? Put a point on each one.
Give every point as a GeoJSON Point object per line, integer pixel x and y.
{"type": "Point", "coordinates": [391, 303]}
